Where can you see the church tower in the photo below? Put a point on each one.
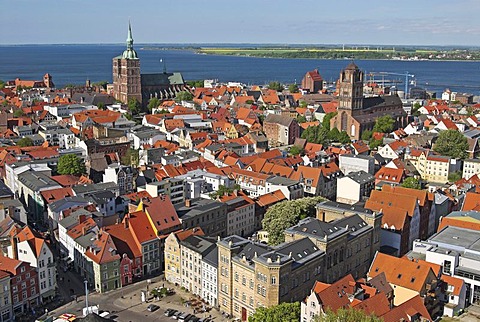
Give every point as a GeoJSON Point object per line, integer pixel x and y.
{"type": "Point", "coordinates": [126, 73]}
{"type": "Point", "coordinates": [350, 94]}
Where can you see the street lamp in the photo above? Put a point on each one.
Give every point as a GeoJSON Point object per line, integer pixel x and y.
{"type": "Point", "coordinates": [86, 295]}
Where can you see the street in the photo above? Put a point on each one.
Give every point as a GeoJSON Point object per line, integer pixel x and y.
{"type": "Point", "coordinates": [125, 304]}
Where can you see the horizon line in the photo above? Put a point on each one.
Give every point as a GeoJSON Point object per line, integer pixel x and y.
{"type": "Point", "coordinates": [241, 43]}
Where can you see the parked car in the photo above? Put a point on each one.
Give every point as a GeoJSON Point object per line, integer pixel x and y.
{"type": "Point", "coordinates": [170, 312]}
{"type": "Point", "coordinates": [176, 315]}
{"type": "Point", "coordinates": [193, 318]}
{"type": "Point", "coordinates": [184, 317]}
{"type": "Point", "coordinates": [152, 307]}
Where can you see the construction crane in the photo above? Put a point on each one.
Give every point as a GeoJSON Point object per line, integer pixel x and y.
{"type": "Point", "coordinates": [406, 75]}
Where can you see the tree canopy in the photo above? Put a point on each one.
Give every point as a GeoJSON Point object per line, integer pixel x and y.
{"type": "Point", "coordinates": [195, 83]}
{"type": "Point", "coordinates": [284, 312]}
{"type": "Point", "coordinates": [222, 190]}
{"type": "Point", "coordinates": [18, 113]}
{"type": "Point", "coordinates": [153, 104]}
{"type": "Point", "coordinates": [276, 86]}
{"type": "Point", "coordinates": [131, 157]}
{"type": "Point", "coordinates": [183, 96]}
{"type": "Point", "coordinates": [70, 164]}
{"type": "Point", "coordinates": [326, 120]}
{"type": "Point", "coordinates": [315, 134]}
{"type": "Point", "coordinates": [24, 142]}
{"type": "Point", "coordinates": [455, 176]}
{"type": "Point", "coordinates": [346, 315]}
{"type": "Point", "coordinates": [411, 183]}
{"type": "Point", "coordinates": [134, 106]}
{"type": "Point", "coordinates": [452, 143]}
{"type": "Point", "coordinates": [384, 124]}
{"type": "Point", "coordinates": [286, 214]}
{"type": "Point", "coordinates": [293, 88]}
{"type": "Point", "coordinates": [295, 150]}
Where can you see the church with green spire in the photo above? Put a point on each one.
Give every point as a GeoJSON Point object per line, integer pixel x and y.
{"type": "Point", "coordinates": [129, 83]}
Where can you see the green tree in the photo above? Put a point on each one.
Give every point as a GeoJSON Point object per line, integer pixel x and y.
{"type": "Point", "coordinates": [286, 214]}
{"type": "Point", "coordinates": [344, 138]}
{"type": "Point", "coordinates": [416, 109]}
{"type": "Point", "coordinates": [18, 113]}
{"type": "Point", "coordinates": [373, 144]}
{"type": "Point", "coordinates": [295, 150]}
{"type": "Point", "coordinates": [2, 84]}
{"type": "Point", "coordinates": [451, 143]}
{"type": "Point", "coordinates": [367, 135]}
{"type": "Point", "coordinates": [283, 312]}
{"type": "Point", "coordinates": [134, 106]}
{"type": "Point", "coordinates": [102, 84]}
{"type": "Point", "coordinates": [223, 190]}
{"type": "Point", "coordinates": [183, 96]}
{"type": "Point", "coordinates": [293, 88]}
{"type": "Point", "coordinates": [333, 135]}
{"type": "Point", "coordinates": [276, 86]}
{"type": "Point", "coordinates": [153, 104]}
{"type": "Point", "coordinates": [101, 106]}
{"type": "Point", "coordinates": [70, 164]}
{"type": "Point", "coordinates": [455, 176]}
{"type": "Point", "coordinates": [315, 134]}
{"type": "Point", "coordinates": [131, 157]}
{"type": "Point", "coordinates": [346, 315]}
{"type": "Point", "coordinates": [412, 183]}
{"type": "Point", "coordinates": [301, 119]}
{"type": "Point", "coordinates": [303, 104]}
{"type": "Point", "coordinates": [24, 142]}
{"type": "Point", "coordinates": [384, 124]}
{"type": "Point", "coordinates": [195, 83]}
{"type": "Point", "coordinates": [326, 120]}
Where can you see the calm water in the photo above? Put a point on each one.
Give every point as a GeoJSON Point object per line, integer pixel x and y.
{"type": "Point", "coordinates": [76, 63]}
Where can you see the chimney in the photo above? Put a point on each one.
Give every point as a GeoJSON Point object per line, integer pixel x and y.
{"type": "Point", "coordinates": [81, 218]}
{"type": "Point", "coordinates": [125, 221]}
{"type": "Point", "coordinates": [13, 242]}
{"type": "Point", "coordinates": [187, 203]}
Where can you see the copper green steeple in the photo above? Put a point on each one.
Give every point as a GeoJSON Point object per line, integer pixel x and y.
{"type": "Point", "coordinates": [129, 53]}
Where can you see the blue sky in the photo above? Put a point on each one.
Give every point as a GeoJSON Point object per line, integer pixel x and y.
{"type": "Point", "coordinates": [403, 22]}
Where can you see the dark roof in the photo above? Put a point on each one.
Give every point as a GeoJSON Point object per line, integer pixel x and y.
{"type": "Point", "coordinates": [94, 98]}
{"type": "Point", "coordinates": [279, 119]}
{"type": "Point", "coordinates": [4, 190]}
{"type": "Point", "coordinates": [316, 228]}
{"type": "Point", "coordinates": [199, 244]}
{"type": "Point", "coordinates": [351, 66]}
{"type": "Point", "coordinates": [361, 177]}
{"type": "Point", "coordinates": [380, 101]}
{"type": "Point", "coordinates": [162, 79]}
{"type": "Point", "coordinates": [211, 257]}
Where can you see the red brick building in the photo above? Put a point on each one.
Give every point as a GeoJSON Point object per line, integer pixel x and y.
{"type": "Point", "coordinates": [23, 283]}
{"type": "Point", "coordinates": [312, 81]}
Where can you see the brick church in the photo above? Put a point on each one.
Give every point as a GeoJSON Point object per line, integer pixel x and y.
{"type": "Point", "coordinates": [129, 83]}
{"type": "Point", "coordinates": [357, 113]}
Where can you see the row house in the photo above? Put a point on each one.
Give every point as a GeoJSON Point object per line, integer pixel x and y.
{"type": "Point", "coordinates": [209, 215]}
{"type": "Point", "coordinates": [240, 214]}
{"type": "Point", "coordinates": [400, 211]}
{"type": "Point", "coordinates": [355, 187]}
{"type": "Point", "coordinates": [433, 168]}
{"type": "Point", "coordinates": [6, 311]}
{"type": "Point", "coordinates": [24, 290]}
{"type": "Point", "coordinates": [210, 277]}
{"type": "Point", "coordinates": [321, 181]}
{"type": "Point", "coordinates": [29, 246]}
{"type": "Point", "coordinates": [105, 261]}
{"type": "Point", "coordinates": [120, 175]}
{"type": "Point", "coordinates": [193, 249]}
{"type": "Point", "coordinates": [173, 253]}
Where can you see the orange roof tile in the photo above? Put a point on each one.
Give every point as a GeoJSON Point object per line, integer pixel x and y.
{"type": "Point", "coordinates": [401, 271]}
{"type": "Point", "coordinates": [455, 282]}
{"type": "Point", "coordinates": [471, 202]}
{"type": "Point", "coordinates": [56, 194]}
{"type": "Point", "coordinates": [103, 250]}
{"type": "Point", "coordinates": [271, 198]}
{"type": "Point", "coordinates": [390, 174]}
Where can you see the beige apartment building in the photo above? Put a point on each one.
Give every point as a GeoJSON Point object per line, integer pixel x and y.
{"type": "Point", "coordinates": [251, 275]}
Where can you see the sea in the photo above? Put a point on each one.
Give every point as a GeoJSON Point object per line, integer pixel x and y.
{"type": "Point", "coordinates": [74, 64]}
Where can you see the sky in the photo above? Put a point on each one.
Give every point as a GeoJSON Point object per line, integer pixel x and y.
{"type": "Point", "coordinates": [401, 22]}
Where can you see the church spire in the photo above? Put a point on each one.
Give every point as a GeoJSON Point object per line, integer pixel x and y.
{"type": "Point", "coordinates": [129, 53]}
{"type": "Point", "coordinates": [129, 37]}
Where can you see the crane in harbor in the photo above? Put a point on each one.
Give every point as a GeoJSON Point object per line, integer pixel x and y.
{"type": "Point", "coordinates": [406, 75]}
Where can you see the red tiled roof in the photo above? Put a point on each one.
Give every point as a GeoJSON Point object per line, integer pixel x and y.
{"type": "Point", "coordinates": [103, 250]}
{"type": "Point", "coordinates": [56, 194]}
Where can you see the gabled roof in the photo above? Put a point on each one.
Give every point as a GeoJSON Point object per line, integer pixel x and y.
{"type": "Point", "coordinates": [103, 250]}
{"type": "Point", "coordinates": [471, 202]}
{"type": "Point", "coordinates": [406, 311]}
{"type": "Point", "coordinates": [390, 174]}
{"type": "Point", "coordinates": [336, 295]}
{"type": "Point", "coordinates": [401, 271]}
{"type": "Point", "coordinates": [455, 282]}
{"type": "Point", "coordinates": [278, 119]}
{"type": "Point", "coordinates": [271, 198]}
{"type": "Point", "coordinates": [161, 213]}
{"type": "Point", "coordinates": [56, 194]}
